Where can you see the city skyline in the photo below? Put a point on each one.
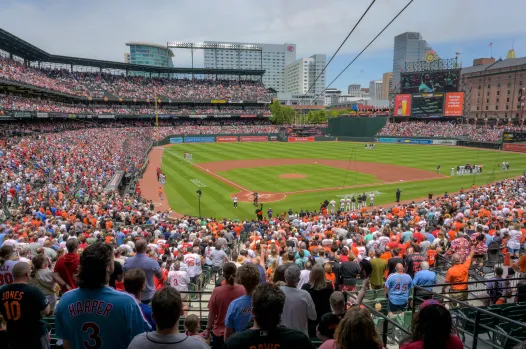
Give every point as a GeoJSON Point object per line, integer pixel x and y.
{"type": "Point", "coordinates": [93, 31]}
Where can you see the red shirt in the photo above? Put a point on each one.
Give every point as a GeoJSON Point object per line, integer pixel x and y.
{"type": "Point", "coordinates": [220, 299]}
{"type": "Point", "coordinates": [418, 236]}
{"type": "Point", "coordinates": [453, 343]}
{"type": "Point", "coordinates": [67, 266]}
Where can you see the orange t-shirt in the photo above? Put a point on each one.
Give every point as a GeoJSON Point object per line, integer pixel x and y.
{"type": "Point", "coordinates": [331, 277]}
{"type": "Point", "coordinates": [459, 273]}
{"type": "Point", "coordinates": [431, 256]}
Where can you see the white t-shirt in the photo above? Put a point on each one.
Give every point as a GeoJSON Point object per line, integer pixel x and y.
{"type": "Point", "coordinates": [515, 239]}
{"type": "Point", "coordinates": [6, 272]}
{"type": "Point", "coordinates": [194, 264]}
{"type": "Point", "coordinates": [179, 279]}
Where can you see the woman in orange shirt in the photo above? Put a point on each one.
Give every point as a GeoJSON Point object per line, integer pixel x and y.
{"type": "Point", "coordinates": [329, 274]}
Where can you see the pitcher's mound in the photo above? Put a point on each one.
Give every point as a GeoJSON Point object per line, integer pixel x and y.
{"type": "Point", "coordinates": [292, 175]}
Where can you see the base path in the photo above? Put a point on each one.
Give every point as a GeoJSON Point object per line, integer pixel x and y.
{"type": "Point", "coordinates": [149, 183]}
{"type": "Point", "coordinates": [386, 173]}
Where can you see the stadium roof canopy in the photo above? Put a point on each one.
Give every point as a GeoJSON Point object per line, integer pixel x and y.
{"type": "Point", "coordinates": [21, 48]}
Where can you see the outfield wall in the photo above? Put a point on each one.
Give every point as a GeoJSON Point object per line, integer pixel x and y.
{"type": "Point", "coordinates": [355, 126]}
{"type": "Point", "coordinates": [219, 138]}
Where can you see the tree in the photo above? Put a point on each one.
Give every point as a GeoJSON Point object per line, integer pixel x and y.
{"type": "Point", "coordinates": [281, 114]}
{"type": "Point", "coordinates": [317, 117]}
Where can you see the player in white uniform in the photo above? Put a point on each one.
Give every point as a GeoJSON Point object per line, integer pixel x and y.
{"type": "Point", "coordinates": [347, 204]}
{"type": "Point", "coordinates": [342, 204]}
{"type": "Point", "coordinates": [452, 174]}
{"type": "Point", "coordinates": [371, 199]}
{"type": "Point", "coordinates": [333, 204]}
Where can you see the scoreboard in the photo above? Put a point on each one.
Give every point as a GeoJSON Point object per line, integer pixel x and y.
{"type": "Point", "coordinates": [514, 137]}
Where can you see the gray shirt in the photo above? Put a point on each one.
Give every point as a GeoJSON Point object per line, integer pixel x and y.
{"type": "Point", "coordinates": [150, 268]}
{"type": "Point", "coordinates": [298, 308]}
{"type": "Point", "coordinates": [218, 258]}
{"type": "Point", "coordinates": [154, 340]}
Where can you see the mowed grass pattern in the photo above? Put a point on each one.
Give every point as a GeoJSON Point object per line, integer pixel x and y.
{"type": "Point", "coordinates": [216, 200]}
{"type": "Point", "coordinates": [267, 179]}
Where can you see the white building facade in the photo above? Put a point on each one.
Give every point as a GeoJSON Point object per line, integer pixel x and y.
{"type": "Point", "coordinates": [300, 75]}
{"type": "Point", "coordinates": [272, 59]}
{"type": "Point", "coordinates": [375, 89]}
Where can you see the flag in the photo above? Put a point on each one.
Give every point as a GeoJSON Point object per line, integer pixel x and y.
{"type": "Point", "coordinates": [490, 44]}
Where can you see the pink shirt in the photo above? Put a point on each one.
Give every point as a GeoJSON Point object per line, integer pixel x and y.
{"type": "Point", "coordinates": [221, 298]}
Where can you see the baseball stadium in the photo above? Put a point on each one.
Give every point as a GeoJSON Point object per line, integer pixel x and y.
{"type": "Point", "coordinates": [143, 206]}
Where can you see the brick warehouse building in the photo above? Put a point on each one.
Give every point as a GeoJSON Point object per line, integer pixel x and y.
{"type": "Point", "coordinates": [495, 89]}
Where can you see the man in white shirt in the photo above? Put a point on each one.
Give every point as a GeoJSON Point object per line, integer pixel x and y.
{"type": "Point", "coordinates": [333, 204]}
{"type": "Point", "coordinates": [304, 274]}
{"type": "Point", "coordinates": [178, 279]}
{"type": "Point", "coordinates": [193, 260]}
{"type": "Point", "coordinates": [371, 199]}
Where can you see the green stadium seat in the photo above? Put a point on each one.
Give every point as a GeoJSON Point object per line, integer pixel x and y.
{"type": "Point", "coordinates": [511, 330]}
{"type": "Point", "coordinates": [517, 313]}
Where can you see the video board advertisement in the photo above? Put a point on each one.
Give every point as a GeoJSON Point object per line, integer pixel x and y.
{"type": "Point", "coordinates": [427, 105]}
{"type": "Point", "coordinates": [454, 104]}
{"type": "Point", "coordinates": [402, 105]}
{"type": "Point", "coordinates": [428, 82]}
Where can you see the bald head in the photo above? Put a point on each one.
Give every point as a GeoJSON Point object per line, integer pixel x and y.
{"type": "Point", "coordinates": [21, 270]}
{"type": "Point", "coordinates": [455, 258]}
{"type": "Point", "coordinates": [141, 246]}
{"type": "Point", "coordinates": [399, 268]}
{"type": "Point", "coordinates": [424, 265]}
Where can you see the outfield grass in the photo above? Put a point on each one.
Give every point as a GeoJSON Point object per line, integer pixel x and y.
{"type": "Point", "coordinates": [184, 179]}
{"type": "Point", "coordinates": [267, 179]}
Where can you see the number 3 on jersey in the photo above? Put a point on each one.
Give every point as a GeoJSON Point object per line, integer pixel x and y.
{"type": "Point", "coordinates": [94, 342]}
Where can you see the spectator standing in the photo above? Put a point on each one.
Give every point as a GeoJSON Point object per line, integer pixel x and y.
{"type": "Point", "coordinates": [22, 306]}
{"type": "Point", "coordinates": [134, 283]}
{"type": "Point", "coordinates": [320, 290]}
{"type": "Point", "coordinates": [239, 313]}
{"type": "Point", "coordinates": [377, 275]}
{"type": "Point", "coordinates": [425, 278]}
{"type": "Point", "coordinates": [299, 306]}
{"type": "Point", "coordinates": [349, 273]}
{"type": "Point", "coordinates": [497, 288]}
{"type": "Point", "coordinates": [355, 330]}
{"type": "Point", "coordinates": [394, 260]}
{"type": "Point", "coordinates": [93, 313]}
{"type": "Point", "coordinates": [166, 307]}
{"type": "Point", "coordinates": [397, 287]}
{"type": "Point", "coordinates": [330, 321]}
{"type": "Point", "coordinates": [43, 280]}
{"type": "Point", "coordinates": [218, 305]}
{"type": "Point", "coordinates": [67, 266]}
{"type": "Point", "coordinates": [305, 274]}
{"type": "Point", "coordinates": [218, 258]}
{"type": "Point", "coordinates": [268, 305]}
{"type": "Point", "coordinates": [433, 328]}
{"type": "Point", "coordinates": [458, 272]}
{"type": "Point", "coordinates": [150, 267]}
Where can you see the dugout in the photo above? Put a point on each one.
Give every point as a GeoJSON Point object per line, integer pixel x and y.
{"type": "Point", "coordinates": [355, 127]}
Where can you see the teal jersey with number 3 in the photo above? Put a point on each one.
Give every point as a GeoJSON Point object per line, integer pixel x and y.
{"type": "Point", "coordinates": [99, 318]}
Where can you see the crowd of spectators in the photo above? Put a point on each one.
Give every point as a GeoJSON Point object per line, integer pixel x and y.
{"type": "Point", "coordinates": [19, 103]}
{"type": "Point", "coordinates": [475, 133]}
{"type": "Point", "coordinates": [289, 268]}
{"type": "Point", "coordinates": [98, 85]}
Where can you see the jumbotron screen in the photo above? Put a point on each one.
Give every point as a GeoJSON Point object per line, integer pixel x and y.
{"type": "Point", "coordinates": [427, 105]}
{"type": "Point", "coordinates": [429, 82]}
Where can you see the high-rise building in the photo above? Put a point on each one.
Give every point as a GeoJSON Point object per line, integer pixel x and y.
{"type": "Point", "coordinates": [272, 59]}
{"type": "Point", "coordinates": [354, 89]}
{"type": "Point", "coordinates": [387, 85]}
{"type": "Point", "coordinates": [408, 47]}
{"type": "Point", "coordinates": [149, 54]}
{"type": "Point", "coordinates": [375, 89]}
{"type": "Point", "coordinates": [332, 96]}
{"type": "Point", "coordinates": [300, 75]}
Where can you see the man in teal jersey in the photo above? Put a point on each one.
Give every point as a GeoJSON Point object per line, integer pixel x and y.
{"type": "Point", "coordinates": [94, 315]}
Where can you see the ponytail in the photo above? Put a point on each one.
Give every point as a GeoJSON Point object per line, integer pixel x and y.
{"type": "Point", "coordinates": [230, 280]}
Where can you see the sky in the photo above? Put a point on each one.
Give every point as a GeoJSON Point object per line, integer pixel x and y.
{"type": "Point", "coordinates": [100, 28]}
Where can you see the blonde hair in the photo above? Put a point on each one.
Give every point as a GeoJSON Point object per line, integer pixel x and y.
{"type": "Point", "coordinates": [356, 330]}
{"type": "Point", "coordinates": [328, 268]}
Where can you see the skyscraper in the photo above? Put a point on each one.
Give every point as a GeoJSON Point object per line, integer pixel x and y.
{"type": "Point", "coordinates": [375, 89]}
{"type": "Point", "coordinates": [387, 85]}
{"type": "Point", "coordinates": [300, 75]}
{"type": "Point", "coordinates": [273, 60]}
{"type": "Point", "coordinates": [408, 47]}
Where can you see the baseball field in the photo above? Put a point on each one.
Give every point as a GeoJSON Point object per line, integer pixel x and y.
{"type": "Point", "coordinates": [302, 175]}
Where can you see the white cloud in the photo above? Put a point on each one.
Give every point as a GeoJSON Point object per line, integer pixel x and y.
{"type": "Point", "coordinates": [99, 28]}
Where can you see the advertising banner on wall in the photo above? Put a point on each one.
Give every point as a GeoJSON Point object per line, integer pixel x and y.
{"type": "Point", "coordinates": [197, 116]}
{"type": "Point", "coordinates": [301, 139]}
{"type": "Point", "coordinates": [248, 115]}
{"type": "Point", "coordinates": [386, 140]}
{"type": "Point", "coordinates": [42, 115]}
{"type": "Point", "coordinates": [273, 138]}
{"type": "Point", "coordinates": [444, 141]}
{"type": "Point", "coordinates": [521, 148]}
{"type": "Point", "coordinates": [176, 140]}
{"type": "Point", "coordinates": [454, 104]}
{"type": "Point", "coordinates": [226, 139]}
{"type": "Point", "coordinates": [402, 105]}
{"type": "Point", "coordinates": [414, 141]}
{"type": "Point", "coordinates": [253, 139]}
{"type": "Point", "coordinates": [199, 139]}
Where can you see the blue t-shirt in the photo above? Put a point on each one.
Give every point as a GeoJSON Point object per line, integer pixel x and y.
{"type": "Point", "coordinates": [425, 278]}
{"type": "Point", "coordinates": [147, 312]}
{"type": "Point", "coordinates": [407, 235]}
{"type": "Point", "coordinates": [239, 313]}
{"type": "Point", "coordinates": [120, 237]}
{"type": "Point", "coordinates": [150, 268]}
{"type": "Point", "coordinates": [99, 318]}
{"type": "Point", "coordinates": [399, 286]}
